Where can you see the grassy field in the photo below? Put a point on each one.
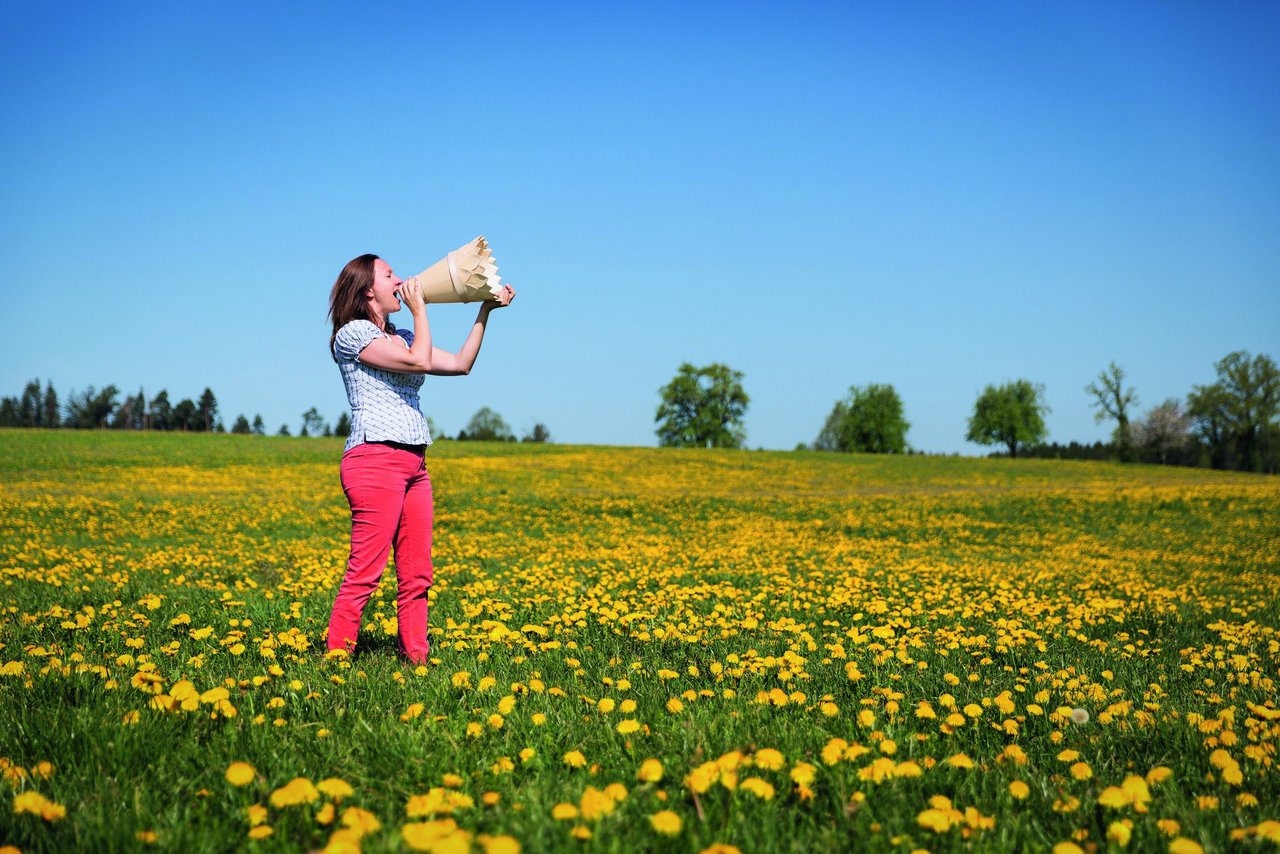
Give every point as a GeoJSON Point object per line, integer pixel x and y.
{"type": "Point", "coordinates": [637, 649]}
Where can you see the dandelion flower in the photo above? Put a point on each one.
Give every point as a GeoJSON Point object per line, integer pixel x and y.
{"type": "Point", "coordinates": [666, 822]}
{"type": "Point", "coordinates": [650, 771]}
{"type": "Point", "coordinates": [500, 844]}
{"type": "Point", "coordinates": [758, 787]}
{"type": "Point", "coordinates": [240, 773]}
{"type": "Point", "coordinates": [297, 791]}
{"type": "Point", "coordinates": [1080, 716]}
{"type": "Point", "coordinates": [769, 759]}
{"type": "Point", "coordinates": [335, 788]}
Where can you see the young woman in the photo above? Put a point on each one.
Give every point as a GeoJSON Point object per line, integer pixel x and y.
{"type": "Point", "coordinates": [384, 473]}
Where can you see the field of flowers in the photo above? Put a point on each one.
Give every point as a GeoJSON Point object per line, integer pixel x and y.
{"type": "Point", "coordinates": [637, 649]}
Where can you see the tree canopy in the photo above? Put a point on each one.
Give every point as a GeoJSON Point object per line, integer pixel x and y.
{"type": "Point", "coordinates": [702, 408]}
{"type": "Point", "coordinates": [869, 420]}
{"type": "Point", "coordinates": [1113, 400]}
{"type": "Point", "coordinates": [1011, 415]}
{"type": "Point", "coordinates": [1237, 415]}
{"type": "Point", "coordinates": [487, 426]}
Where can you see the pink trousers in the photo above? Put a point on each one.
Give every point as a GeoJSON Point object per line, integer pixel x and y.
{"type": "Point", "coordinates": [389, 491]}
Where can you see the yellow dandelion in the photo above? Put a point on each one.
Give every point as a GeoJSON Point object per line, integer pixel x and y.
{"type": "Point", "coordinates": [666, 822]}
{"type": "Point", "coordinates": [240, 774]}
{"type": "Point", "coordinates": [650, 771]}
{"type": "Point", "coordinates": [335, 788]}
{"type": "Point", "coordinates": [769, 759]}
{"type": "Point", "coordinates": [758, 787]}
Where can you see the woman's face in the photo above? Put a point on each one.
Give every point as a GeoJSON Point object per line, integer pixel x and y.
{"type": "Point", "coordinates": [382, 296]}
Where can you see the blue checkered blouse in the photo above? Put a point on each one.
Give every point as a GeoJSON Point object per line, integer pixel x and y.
{"type": "Point", "coordinates": [384, 404]}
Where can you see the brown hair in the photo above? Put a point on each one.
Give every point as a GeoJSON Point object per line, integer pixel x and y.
{"type": "Point", "coordinates": [348, 300]}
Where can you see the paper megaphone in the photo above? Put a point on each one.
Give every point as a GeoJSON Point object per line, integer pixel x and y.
{"type": "Point", "coordinates": [467, 274]}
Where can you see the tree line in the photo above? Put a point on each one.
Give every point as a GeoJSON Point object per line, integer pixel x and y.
{"type": "Point", "coordinates": [104, 409]}
{"type": "Point", "coordinates": [1232, 423]}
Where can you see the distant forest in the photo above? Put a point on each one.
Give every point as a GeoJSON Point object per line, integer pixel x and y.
{"type": "Point", "coordinates": [104, 409]}
{"type": "Point", "coordinates": [1233, 423]}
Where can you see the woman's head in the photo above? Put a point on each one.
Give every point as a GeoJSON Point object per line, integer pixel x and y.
{"type": "Point", "coordinates": [365, 290]}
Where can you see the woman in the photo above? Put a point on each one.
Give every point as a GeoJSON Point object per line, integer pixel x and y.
{"type": "Point", "coordinates": [384, 474]}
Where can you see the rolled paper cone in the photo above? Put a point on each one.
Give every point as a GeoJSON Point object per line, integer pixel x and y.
{"type": "Point", "coordinates": [467, 274]}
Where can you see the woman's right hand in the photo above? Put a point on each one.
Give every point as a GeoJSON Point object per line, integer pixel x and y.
{"type": "Point", "coordinates": [411, 295]}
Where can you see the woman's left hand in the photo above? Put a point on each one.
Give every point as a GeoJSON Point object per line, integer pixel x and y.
{"type": "Point", "coordinates": [505, 296]}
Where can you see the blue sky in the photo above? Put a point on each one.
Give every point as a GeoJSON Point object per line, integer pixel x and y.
{"type": "Point", "coordinates": [933, 195]}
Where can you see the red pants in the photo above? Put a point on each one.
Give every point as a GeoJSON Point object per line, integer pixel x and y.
{"type": "Point", "coordinates": [390, 495]}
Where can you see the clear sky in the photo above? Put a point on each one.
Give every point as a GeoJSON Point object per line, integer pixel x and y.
{"type": "Point", "coordinates": [933, 195]}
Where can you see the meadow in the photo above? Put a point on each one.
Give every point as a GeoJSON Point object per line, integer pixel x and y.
{"type": "Point", "coordinates": [637, 649]}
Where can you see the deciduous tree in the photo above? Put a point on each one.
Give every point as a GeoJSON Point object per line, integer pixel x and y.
{"type": "Point", "coordinates": [539, 433]}
{"type": "Point", "coordinates": [1237, 415]}
{"type": "Point", "coordinates": [1113, 400]}
{"type": "Point", "coordinates": [1163, 431]}
{"type": "Point", "coordinates": [487, 426]}
{"type": "Point", "coordinates": [702, 408]}
{"type": "Point", "coordinates": [312, 423]}
{"type": "Point", "coordinates": [1011, 415]}
{"type": "Point", "coordinates": [90, 409]}
{"type": "Point", "coordinates": [162, 412]}
{"type": "Point", "coordinates": [186, 416]}
{"type": "Point", "coordinates": [870, 420]}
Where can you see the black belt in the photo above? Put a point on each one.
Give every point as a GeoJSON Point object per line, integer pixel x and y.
{"type": "Point", "coordinates": [420, 450]}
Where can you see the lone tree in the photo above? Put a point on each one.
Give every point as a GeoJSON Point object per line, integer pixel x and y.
{"type": "Point", "coordinates": [869, 420]}
{"type": "Point", "coordinates": [487, 426]}
{"type": "Point", "coordinates": [1113, 400]}
{"type": "Point", "coordinates": [1237, 415]}
{"type": "Point", "coordinates": [312, 423]}
{"type": "Point", "coordinates": [702, 408]}
{"type": "Point", "coordinates": [1010, 415]}
{"type": "Point", "coordinates": [1162, 431]}
{"type": "Point", "coordinates": [343, 427]}
{"type": "Point", "coordinates": [539, 433]}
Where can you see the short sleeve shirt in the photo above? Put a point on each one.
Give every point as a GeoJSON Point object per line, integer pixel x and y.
{"type": "Point", "coordinates": [384, 404]}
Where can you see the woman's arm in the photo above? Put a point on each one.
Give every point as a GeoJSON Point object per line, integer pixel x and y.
{"type": "Point", "coordinates": [392, 355]}
{"type": "Point", "coordinates": [446, 364]}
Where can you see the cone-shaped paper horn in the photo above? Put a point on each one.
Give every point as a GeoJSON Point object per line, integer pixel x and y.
{"type": "Point", "coordinates": [467, 274]}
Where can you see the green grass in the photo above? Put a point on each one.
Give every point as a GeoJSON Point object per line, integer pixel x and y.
{"type": "Point", "coordinates": [601, 564]}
